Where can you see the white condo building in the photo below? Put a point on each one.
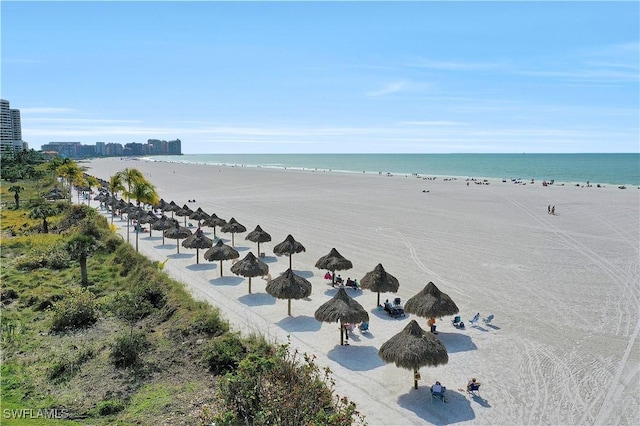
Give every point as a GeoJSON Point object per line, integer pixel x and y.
{"type": "Point", "coordinates": [10, 129]}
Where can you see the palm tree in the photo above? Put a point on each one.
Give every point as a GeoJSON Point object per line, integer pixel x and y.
{"type": "Point", "coordinates": [142, 192]}
{"type": "Point", "coordinates": [129, 178]}
{"type": "Point", "coordinates": [72, 173]}
{"type": "Point", "coordinates": [16, 194]}
{"type": "Point", "coordinates": [43, 211]}
{"type": "Point", "coordinates": [80, 247]}
{"type": "Point", "coordinates": [115, 186]}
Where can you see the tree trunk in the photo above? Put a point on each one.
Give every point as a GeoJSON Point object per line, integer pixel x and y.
{"type": "Point", "coordinates": [16, 196]}
{"type": "Point", "coordinates": [45, 225]}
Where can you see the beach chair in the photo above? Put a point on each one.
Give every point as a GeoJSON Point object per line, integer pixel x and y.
{"type": "Point", "coordinates": [488, 319]}
{"type": "Point", "coordinates": [364, 327]}
{"type": "Point", "coordinates": [457, 322]}
{"type": "Point", "coordinates": [474, 389]}
{"type": "Point", "coordinates": [397, 301]}
{"type": "Point", "coordinates": [438, 395]}
{"type": "Point", "coordinates": [475, 319]}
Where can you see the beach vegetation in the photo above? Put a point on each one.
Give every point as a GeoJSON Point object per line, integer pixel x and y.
{"type": "Point", "coordinates": [133, 347]}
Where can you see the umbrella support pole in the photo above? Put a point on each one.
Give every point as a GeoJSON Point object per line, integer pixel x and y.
{"type": "Point", "coordinates": [290, 261]}
{"type": "Point", "coordinates": [378, 298]}
{"type": "Point", "coordinates": [249, 285]}
{"type": "Point", "coordinates": [289, 306]}
{"type": "Point", "coordinates": [197, 256]}
{"type": "Point", "coordinates": [178, 245]}
{"type": "Point", "coordinates": [221, 268]}
{"type": "Point", "coordinates": [415, 381]}
{"type": "Point", "coordinates": [341, 336]}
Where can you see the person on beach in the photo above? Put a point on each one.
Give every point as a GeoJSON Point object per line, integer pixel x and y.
{"type": "Point", "coordinates": [549, 209]}
{"type": "Point", "coordinates": [553, 210]}
{"type": "Point", "coordinates": [473, 385]}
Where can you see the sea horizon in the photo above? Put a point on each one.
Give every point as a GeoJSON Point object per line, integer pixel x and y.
{"type": "Point", "coordinates": [595, 168]}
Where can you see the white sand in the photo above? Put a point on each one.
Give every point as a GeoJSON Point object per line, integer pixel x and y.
{"type": "Point", "coordinates": [564, 289]}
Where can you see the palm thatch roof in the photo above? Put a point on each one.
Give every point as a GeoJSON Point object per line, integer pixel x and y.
{"type": "Point", "coordinates": [289, 247]}
{"type": "Point", "coordinates": [199, 215]}
{"type": "Point", "coordinates": [234, 227]}
{"type": "Point", "coordinates": [413, 348]}
{"type": "Point", "coordinates": [163, 223]}
{"type": "Point", "coordinates": [379, 281]}
{"type": "Point", "coordinates": [431, 302]}
{"type": "Point", "coordinates": [289, 286]}
{"type": "Point", "coordinates": [214, 221]}
{"type": "Point", "coordinates": [258, 236]}
{"type": "Point", "coordinates": [250, 267]}
{"type": "Point", "coordinates": [197, 241]}
{"type": "Point", "coordinates": [184, 211]}
{"type": "Point", "coordinates": [177, 232]}
{"type": "Point", "coordinates": [341, 308]}
{"type": "Point", "coordinates": [221, 251]}
{"type": "Point", "coordinates": [333, 262]}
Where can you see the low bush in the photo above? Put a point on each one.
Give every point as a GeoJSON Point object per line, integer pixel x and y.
{"type": "Point", "coordinates": [128, 348]}
{"type": "Point", "coordinates": [66, 366]}
{"type": "Point", "coordinates": [8, 295]}
{"type": "Point", "coordinates": [106, 408]}
{"type": "Point", "coordinates": [77, 309]}
{"type": "Point", "coordinates": [210, 323]}
{"type": "Point", "coordinates": [112, 242]}
{"type": "Point", "coordinates": [53, 257]}
{"type": "Point", "coordinates": [224, 354]}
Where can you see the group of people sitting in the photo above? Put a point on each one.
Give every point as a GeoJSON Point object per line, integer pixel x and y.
{"type": "Point", "coordinates": [395, 310]}
{"type": "Point", "coordinates": [438, 391]}
{"type": "Point", "coordinates": [340, 281]}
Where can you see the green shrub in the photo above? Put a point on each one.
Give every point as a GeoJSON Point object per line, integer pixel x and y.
{"type": "Point", "coordinates": [128, 348]}
{"type": "Point", "coordinates": [126, 256]}
{"type": "Point", "coordinates": [224, 354]}
{"type": "Point", "coordinates": [108, 407]}
{"type": "Point", "coordinates": [8, 295]}
{"type": "Point", "coordinates": [77, 309]}
{"type": "Point", "coordinates": [112, 242]}
{"type": "Point", "coordinates": [65, 366]}
{"type": "Point", "coordinates": [53, 257]}
{"type": "Point", "coordinates": [210, 323]}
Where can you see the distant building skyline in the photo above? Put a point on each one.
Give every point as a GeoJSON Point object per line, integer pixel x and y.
{"type": "Point", "coordinates": [10, 129]}
{"type": "Point", "coordinates": [113, 149]}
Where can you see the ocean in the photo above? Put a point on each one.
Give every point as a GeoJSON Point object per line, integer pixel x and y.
{"type": "Point", "coordinates": [609, 169]}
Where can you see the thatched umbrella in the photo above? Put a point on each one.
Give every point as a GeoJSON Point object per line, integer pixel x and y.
{"type": "Point", "coordinates": [431, 302]}
{"type": "Point", "coordinates": [258, 236]}
{"type": "Point", "coordinates": [341, 308]}
{"type": "Point", "coordinates": [171, 207]}
{"type": "Point", "coordinates": [289, 246]}
{"type": "Point", "coordinates": [234, 227]}
{"type": "Point", "coordinates": [177, 232]}
{"type": "Point", "coordinates": [221, 251]}
{"type": "Point", "coordinates": [214, 221]}
{"type": "Point", "coordinates": [164, 223]}
{"type": "Point", "coordinates": [380, 281]}
{"type": "Point", "coordinates": [199, 215]}
{"type": "Point", "coordinates": [289, 286]}
{"type": "Point", "coordinates": [413, 348]}
{"type": "Point", "coordinates": [333, 262]}
{"type": "Point", "coordinates": [197, 241]}
{"type": "Point", "coordinates": [184, 211]}
{"type": "Point", "coordinates": [250, 267]}
{"type": "Point", "coordinates": [162, 205]}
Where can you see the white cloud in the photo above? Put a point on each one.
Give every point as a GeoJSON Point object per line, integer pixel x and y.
{"type": "Point", "coordinates": [392, 87]}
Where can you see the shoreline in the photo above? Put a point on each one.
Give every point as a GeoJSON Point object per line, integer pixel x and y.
{"type": "Point", "coordinates": [552, 282]}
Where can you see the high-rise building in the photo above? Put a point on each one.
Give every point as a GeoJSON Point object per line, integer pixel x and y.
{"type": "Point", "coordinates": [10, 129]}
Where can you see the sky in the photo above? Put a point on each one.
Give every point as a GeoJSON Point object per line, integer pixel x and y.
{"type": "Point", "coordinates": [327, 77]}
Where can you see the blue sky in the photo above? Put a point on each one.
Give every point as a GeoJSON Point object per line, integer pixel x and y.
{"type": "Point", "coordinates": [327, 77]}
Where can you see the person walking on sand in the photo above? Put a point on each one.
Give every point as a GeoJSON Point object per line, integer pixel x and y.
{"type": "Point", "coordinates": [549, 209]}
{"type": "Point", "coordinates": [553, 210]}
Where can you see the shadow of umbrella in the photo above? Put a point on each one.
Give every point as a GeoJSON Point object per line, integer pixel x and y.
{"type": "Point", "coordinates": [258, 236]}
{"type": "Point", "coordinates": [197, 241]}
{"type": "Point", "coordinates": [289, 247]}
{"type": "Point", "coordinates": [234, 227]}
{"type": "Point", "coordinates": [163, 224]}
{"type": "Point", "coordinates": [177, 232]}
{"type": "Point", "coordinates": [431, 303]}
{"type": "Point", "coordinates": [250, 267]}
{"type": "Point", "coordinates": [379, 280]}
{"type": "Point", "coordinates": [289, 286]}
{"type": "Point", "coordinates": [333, 262]}
{"type": "Point", "coordinates": [413, 348]}
{"type": "Point", "coordinates": [220, 251]}
{"type": "Point", "coordinates": [213, 220]}
{"type": "Point", "coordinates": [341, 308]}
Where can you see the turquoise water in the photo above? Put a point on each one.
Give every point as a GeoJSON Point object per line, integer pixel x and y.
{"type": "Point", "coordinates": [611, 169]}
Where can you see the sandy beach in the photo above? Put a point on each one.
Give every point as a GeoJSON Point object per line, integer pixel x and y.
{"type": "Point", "coordinates": [564, 289]}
